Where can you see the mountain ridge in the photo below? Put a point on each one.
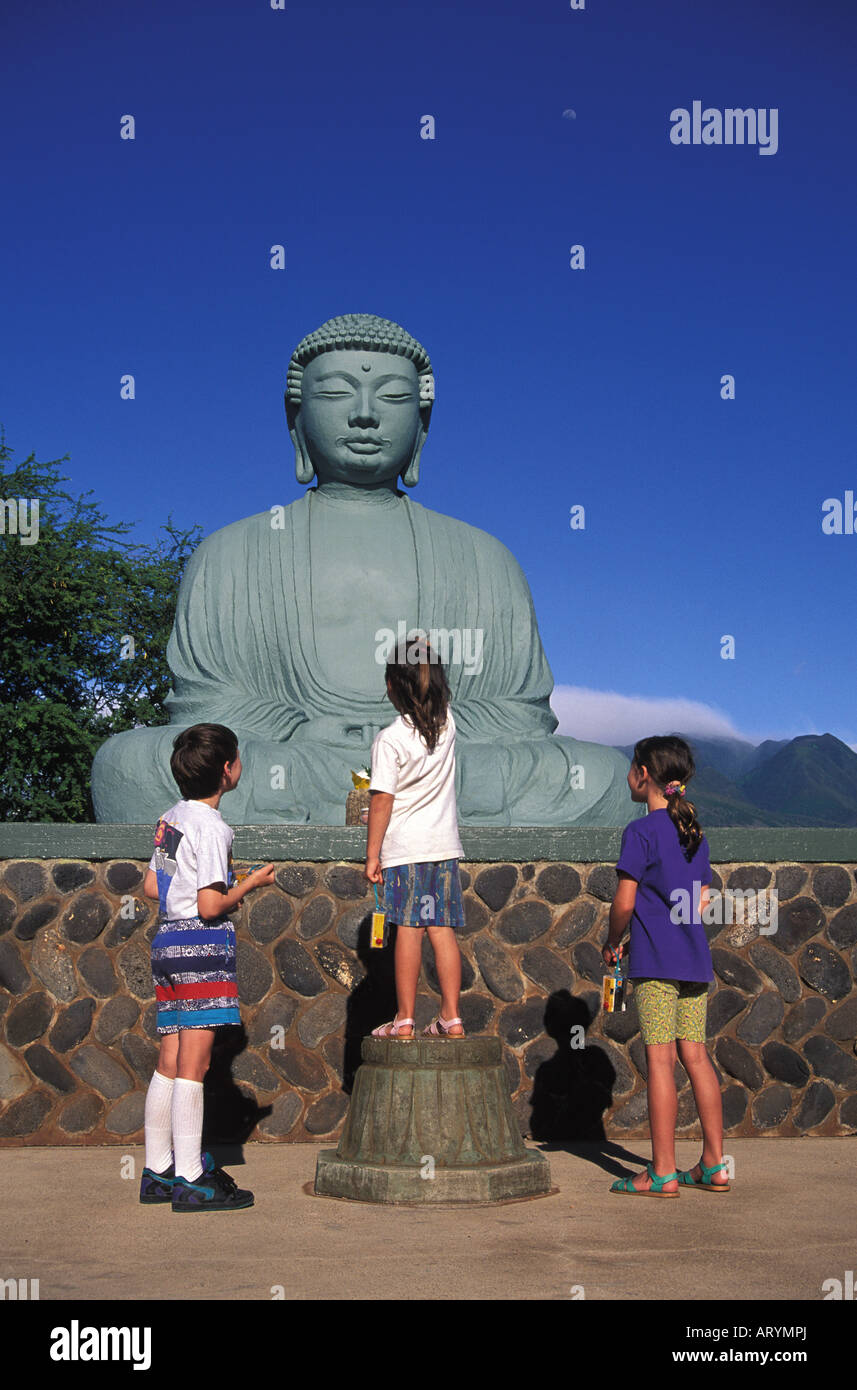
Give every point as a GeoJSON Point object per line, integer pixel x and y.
{"type": "Point", "coordinates": [807, 780]}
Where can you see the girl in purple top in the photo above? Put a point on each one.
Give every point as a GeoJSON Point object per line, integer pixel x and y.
{"type": "Point", "coordinates": [664, 871]}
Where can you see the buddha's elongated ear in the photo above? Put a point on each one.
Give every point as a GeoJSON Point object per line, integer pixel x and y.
{"type": "Point", "coordinates": [411, 475]}
{"type": "Point", "coordinates": [304, 470]}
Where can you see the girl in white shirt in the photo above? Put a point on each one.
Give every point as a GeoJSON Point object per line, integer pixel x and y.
{"type": "Point", "coordinates": [413, 846]}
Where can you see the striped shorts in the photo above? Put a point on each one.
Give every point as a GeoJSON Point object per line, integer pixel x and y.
{"type": "Point", "coordinates": [193, 972]}
{"type": "Point", "coordinates": [424, 895]}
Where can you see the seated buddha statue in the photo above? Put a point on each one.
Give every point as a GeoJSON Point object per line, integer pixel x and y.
{"type": "Point", "coordinates": [284, 619]}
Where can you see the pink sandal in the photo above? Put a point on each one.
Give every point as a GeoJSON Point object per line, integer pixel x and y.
{"type": "Point", "coordinates": [392, 1030]}
{"type": "Point", "coordinates": [440, 1026]}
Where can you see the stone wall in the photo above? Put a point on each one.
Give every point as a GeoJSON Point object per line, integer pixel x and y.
{"type": "Point", "coordinates": [77, 1014]}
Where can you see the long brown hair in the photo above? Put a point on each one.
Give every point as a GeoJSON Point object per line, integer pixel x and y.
{"type": "Point", "coordinates": [418, 688]}
{"type": "Point", "coordinates": [669, 759]}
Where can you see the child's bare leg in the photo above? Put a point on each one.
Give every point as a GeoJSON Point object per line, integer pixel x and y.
{"type": "Point", "coordinates": [168, 1055]}
{"type": "Point", "coordinates": [194, 1053]}
{"type": "Point", "coordinates": [663, 1106]}
{"type": "Point", "coordinates": [448, 961]}
{"type": "Point", "coordinates": [706, 1092]}
{"type": "Point", "coordinates": [409, 946]}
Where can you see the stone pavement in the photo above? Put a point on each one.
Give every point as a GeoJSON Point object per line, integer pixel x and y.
{"type": "Point", "coordinates": [72, 1221]}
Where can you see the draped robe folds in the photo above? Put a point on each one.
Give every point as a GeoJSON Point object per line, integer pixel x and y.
{"type": "Point", "coordinates": [243, 652]}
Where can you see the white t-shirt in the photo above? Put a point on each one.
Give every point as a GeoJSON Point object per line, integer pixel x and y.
{"type": "Point", "coordinates": [193, 850]}
{"type": "Point", "coordinates": [424, 822]}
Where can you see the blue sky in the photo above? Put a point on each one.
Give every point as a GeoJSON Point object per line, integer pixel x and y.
{"type": "Point", "coordinates": [555, 387]}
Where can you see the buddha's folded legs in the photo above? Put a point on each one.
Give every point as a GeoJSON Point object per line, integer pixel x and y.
{"type": "Point", "coordinates": [547, 781]}
{"type": "Point", "coordinates": [131, 779]}
{"type": "Point", "coordinates": [281, 783]}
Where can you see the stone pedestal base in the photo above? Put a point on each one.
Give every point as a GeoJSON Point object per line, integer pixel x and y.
{"type": "Point", "coordinates": [430, 1123]}
{"type": "Point", "coordinates": [367, 1182]}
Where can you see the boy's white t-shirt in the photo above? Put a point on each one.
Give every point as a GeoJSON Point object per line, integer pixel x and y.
{"type": "Point", "coordinates": [193, 849]}
{"type": "Point", "coordinates": [423, 825]}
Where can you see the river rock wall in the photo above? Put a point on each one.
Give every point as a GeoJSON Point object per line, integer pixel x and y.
{"type": "Point", "coordinates": [78, 1042]}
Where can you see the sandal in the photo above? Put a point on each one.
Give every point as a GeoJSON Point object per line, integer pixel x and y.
{"type": "Point", "coordinates": [704, 1183]}
{"type": "Point", "coordinates": [394, 1029]}
{"type": "Point", "coordinates": [625, 1186]}
{"type": "Point", "coordinates": [440, 1026]}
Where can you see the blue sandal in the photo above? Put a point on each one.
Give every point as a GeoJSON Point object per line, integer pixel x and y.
{"type": "Point", "coordinates": [705, 1184]}
{"type": "Point", "coordinates": [625, 1187]}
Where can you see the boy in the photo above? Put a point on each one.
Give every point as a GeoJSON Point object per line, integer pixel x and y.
{"type": "Point", "coordinates": [193, 969]}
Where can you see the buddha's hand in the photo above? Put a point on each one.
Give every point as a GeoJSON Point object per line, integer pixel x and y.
{"type": "Point", "coordinates": [337, 733]}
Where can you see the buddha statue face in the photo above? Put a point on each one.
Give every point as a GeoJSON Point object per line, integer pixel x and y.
{"type": "Point", "coordinates": [359, 420]}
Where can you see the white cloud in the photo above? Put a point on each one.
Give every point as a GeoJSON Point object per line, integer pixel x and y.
{"type": "Point", "coordinates": [604, 716]}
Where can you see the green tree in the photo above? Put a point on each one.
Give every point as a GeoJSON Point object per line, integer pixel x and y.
{"type": "Point", "coordinates": [85, 616]}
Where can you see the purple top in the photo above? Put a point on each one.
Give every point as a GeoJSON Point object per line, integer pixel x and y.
{"type": "Point", "coordinates": [662, 949]}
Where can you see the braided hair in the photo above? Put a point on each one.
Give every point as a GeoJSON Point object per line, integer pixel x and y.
{"type": "Point", "coordinates": [418, 689]}
{"type": "Point", "coordinates": [668, 759]}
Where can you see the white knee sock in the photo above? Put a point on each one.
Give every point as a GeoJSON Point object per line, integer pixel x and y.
{"type": "Point", "coordinates": [158, 1121]}
{"type": "Point", "coordinates": [187, 1127]}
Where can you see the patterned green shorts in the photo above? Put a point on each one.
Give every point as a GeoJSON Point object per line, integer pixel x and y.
{"type": "Point", "coordinates": [671, 1009]}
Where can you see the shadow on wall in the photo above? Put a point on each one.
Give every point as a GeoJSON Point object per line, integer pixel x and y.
{"type": "Point", "coordinates": [572, 1089]}
{"type": "Point", "coordinates": [373, 1000]}
{"type": "Point", "coordinates": [230, 1115]}
{"type": "Point", "coordinates": [570, 1094]}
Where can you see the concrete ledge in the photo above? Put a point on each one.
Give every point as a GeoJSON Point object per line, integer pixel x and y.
{"type": "Point", "coordinates": [481, 844]}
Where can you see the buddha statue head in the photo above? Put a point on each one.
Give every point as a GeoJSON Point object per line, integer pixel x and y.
{"type": "Point", "coordinates": [359, 393]}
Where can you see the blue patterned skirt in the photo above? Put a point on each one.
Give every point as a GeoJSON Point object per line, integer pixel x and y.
{"type": "Point", "coordinates": [424, 895]}
{"type": "Point", "coordinates": [193, 971]}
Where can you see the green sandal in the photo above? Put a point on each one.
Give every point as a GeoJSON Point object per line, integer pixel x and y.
{"type": "Point", "coordinates": [705, 1184]}
{"type": "Point", "coordinates": [624, 1186]}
